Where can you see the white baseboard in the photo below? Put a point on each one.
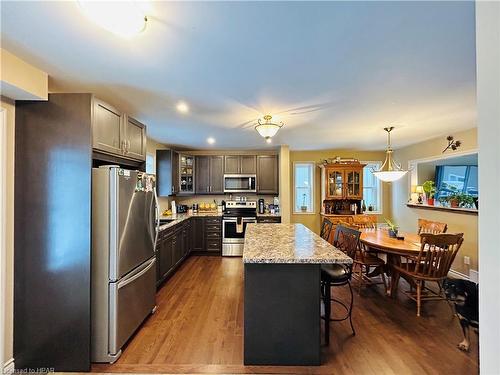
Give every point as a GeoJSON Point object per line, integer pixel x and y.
{"type": "Point", "coordinates": [8, 367]}
{"type": "Point", "coordinates": [473, 275]}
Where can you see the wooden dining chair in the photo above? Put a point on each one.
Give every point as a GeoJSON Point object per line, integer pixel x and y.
{"type": "Point", "coordinates": [429, 226]}
{"type": "Point", "coordinates": [326, 229]}
{"type": "Point", "coordinates": [348, 225]}
{"type": "Point", "coordinates": [365, 221]}
{"type": "Point", "coordinates": [432, 264]}
{"type": "Point", "coordinates": [368, 267]}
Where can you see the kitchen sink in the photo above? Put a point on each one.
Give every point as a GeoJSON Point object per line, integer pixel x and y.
{"type": "Point", "coordinates": [165, 221]}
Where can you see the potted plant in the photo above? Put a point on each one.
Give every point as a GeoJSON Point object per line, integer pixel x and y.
{"type": "Point", "coordinates": [457, 199]}
{"type": "Point", "coordinates": [393, 229]}
{"type": "Point", "coordinates": [430, 190]}
{"type": "Point", "coordinates": [303, 208]}
{"type": "Point", "coordinates": [465, 200]}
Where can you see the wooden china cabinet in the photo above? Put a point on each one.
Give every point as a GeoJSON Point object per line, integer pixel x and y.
{"type": "Point", "coordinates": [343, 181]}
{"type": "Point", "coordinates": [341, 190]}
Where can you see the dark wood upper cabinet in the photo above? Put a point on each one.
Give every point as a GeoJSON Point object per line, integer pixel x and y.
{"type": "Point", "coordinates": [186, 174]}
{"type": "Point", "coordinates": [115, 133]}
{"type": "Point", "coordinates": [134, 138]}
{"type": "Point", "coordinates": [216, 175]}
{"type": "Point", "coordinates": [107, 128]}
{"type": "Point", "coordinates": [202, 174]}
{"type": "Point", "coordinates": [240, 164]}
{"type": "Point", "coordinates": [167, 172]}
{"type": "Point", "coordinates": [231, 164]}
{"type": "Point", "coordinates": [248, 164]}
{"type": "Point", "coordinates": [209, 174]}
{"type": "Point", "coordinates": [267, 174]}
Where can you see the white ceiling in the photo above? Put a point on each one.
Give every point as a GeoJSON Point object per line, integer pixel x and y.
{"type": "Point", "coordinates": [346, 69]}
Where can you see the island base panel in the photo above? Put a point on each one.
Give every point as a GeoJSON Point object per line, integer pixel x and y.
{"type": "Point", "coordinates": [282, 314]}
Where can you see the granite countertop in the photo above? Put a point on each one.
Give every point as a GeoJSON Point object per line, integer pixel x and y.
{"type": "Point", "coordinates": [267, 214]}
{"type": "Point", "coordinates": [180, 217]}
{"type": "Point", "coordinates": [288, 243]}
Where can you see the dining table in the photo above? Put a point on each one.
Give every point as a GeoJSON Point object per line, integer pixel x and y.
{"type": "Point", "coordinates": [378, 240]}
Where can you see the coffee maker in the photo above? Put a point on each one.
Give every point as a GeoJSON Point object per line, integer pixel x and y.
{"type": "Point", "coordinates": [262, 206]}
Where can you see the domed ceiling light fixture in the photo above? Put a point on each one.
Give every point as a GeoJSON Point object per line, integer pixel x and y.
{"type": "Point", "coordinates": [389, 171]}
{"type": "Point", "coordinates": [266, 128]}
{"type": "Point", "coordinates": [123, 18]}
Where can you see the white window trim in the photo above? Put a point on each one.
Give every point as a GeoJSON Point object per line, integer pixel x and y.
{"type": "Point", "coordinates": [3, 221]}
{"type": "Point", "coordinates": [153, 154]}
{"type": "Point", "coordinates": [380, 188]}
{"type": "Point", "coordinates": [313, 211]}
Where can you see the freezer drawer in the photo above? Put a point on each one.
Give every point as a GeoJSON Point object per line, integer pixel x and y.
{"type": "Point", "coordinates": [131, 300]}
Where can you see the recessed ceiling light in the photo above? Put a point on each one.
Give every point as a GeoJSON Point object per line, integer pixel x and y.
{"type": "Point", "coordinates": [124, 18]}
{"type": "Point", "coordinates": [210, 140]}
{"type": "Point", "coordinates": [182, 107]}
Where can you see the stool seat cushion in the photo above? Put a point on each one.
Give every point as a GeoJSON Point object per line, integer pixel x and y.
{"type": "Point", "coordinates": [334, 272]}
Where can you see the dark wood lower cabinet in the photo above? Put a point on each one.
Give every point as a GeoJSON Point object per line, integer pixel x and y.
{"type": "Point", "coordinates": [199, 235]}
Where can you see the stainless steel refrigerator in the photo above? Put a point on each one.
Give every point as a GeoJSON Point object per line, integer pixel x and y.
{"type": "Point", "coordinates": [124, 213]}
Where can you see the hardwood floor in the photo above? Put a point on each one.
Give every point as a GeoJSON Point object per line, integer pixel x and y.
{"type": "Point", "coordinates": [198, 329]}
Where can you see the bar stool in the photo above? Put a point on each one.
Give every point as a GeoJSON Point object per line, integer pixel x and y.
{"type": "Point", "coordinates": [333, 275]}
{"type": "Point", "coordinates": [326, 229]}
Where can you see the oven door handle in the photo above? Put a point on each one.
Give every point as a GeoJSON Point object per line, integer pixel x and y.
{"type": "Point", "coordinates": [229, 220]}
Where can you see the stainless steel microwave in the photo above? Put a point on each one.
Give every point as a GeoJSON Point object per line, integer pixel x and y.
{"type": "Point", "coordinates": [240, 183]}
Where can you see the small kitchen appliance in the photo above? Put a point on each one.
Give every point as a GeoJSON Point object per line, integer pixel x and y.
{"type": "Point", "coordinates": [262, 206]}
{"type": "Point", "coordinates": [240, 183]}
{"type": "Point", "coordinates": [182, 208]}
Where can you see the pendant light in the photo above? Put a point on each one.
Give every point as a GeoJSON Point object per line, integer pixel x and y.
{"type": "Point", "coordinates": [390, 170]}
{"type": "Point", "coordinates": [267, 129]}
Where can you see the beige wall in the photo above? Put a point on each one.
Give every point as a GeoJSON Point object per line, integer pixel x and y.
{"type": "Point", "coordinates": [313, 221]}
{"type": "Point", "coordinates": [284, 187]}
{"type": "Point", "coordinates": [20, 80]}
{"type": "Point", "coordinates": [8, 106]}
{"type": "Point", "coordinates": [407, 217]}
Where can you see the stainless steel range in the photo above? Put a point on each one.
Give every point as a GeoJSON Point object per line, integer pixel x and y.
{"type": "Point", "coordinates": [234, 222]}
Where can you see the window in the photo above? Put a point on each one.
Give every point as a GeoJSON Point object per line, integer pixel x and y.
{"type": "Point", "coordinates": [462, 178]}
{"type": "Point", "coordinates": [303, 185]}
{"type": "Point", "coordinates": [372, 187]}
{"type": "Point", "coordinates": [150, 164]}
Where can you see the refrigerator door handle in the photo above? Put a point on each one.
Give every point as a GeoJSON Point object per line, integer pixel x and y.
{"type": "Point", "coordinates": [156, 221]}
{"type": "Point", "coordinates": [127, 281]}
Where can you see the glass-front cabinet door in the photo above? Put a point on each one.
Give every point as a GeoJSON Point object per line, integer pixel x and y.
{"type": "Point", "coordinates": [186, 175]}
{"type": "Point", "coordinates": [335, 184]}
{"type": "Point", "coordinates": [353, 184]}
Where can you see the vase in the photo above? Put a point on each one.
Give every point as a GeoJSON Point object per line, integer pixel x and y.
{"type": "Point", "coordinates": [393, 233]}
{"type": "Point", "coordinates": [430, 201]}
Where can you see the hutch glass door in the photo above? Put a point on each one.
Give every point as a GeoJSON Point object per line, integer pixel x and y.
{"type": "Point", "coordinates": [335, 184]}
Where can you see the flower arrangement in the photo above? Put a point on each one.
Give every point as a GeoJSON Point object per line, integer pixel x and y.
{"type": "Point", "coordinates": [393, 228]}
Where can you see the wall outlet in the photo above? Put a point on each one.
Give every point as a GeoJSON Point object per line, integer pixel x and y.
{"type": "Point", "coordinates": [466, 260]}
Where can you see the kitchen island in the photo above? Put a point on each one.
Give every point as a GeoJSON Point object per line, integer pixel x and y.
{"type": "Point", "coordinates": [282, 293]}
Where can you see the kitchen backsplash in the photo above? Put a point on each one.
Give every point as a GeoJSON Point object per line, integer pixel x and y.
{"type": "Point", "coordinates": [189, 200]}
